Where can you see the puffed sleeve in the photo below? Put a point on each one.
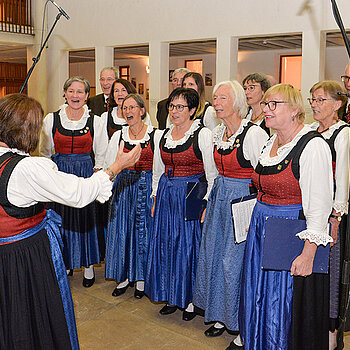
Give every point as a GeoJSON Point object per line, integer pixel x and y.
{"type": "Point", "coordinates": [147, 119]}
{"type": "Point", "coordinates": [316, 184]}
{"type": "Point", "coordinates": [210, 119]}
{"type": "Point", "coordinates": [342, 149]}
{"type": "Point", "coordinates": [100, 141]}
{"type": "Point", "coordinates": [206, 146]}
{"type": "Point", "coordinates": [46, 144]}
{"type": "Point", "coordinates": [158, 165]}
{"type": "Point", "coordinates": [37, 179]}
{"type": "Point", "coordinates": [112, 149]}
{"type": "Point", "coordinates": [254, 141]}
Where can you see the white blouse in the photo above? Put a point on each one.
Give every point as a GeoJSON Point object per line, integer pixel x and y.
{"type": "Point", "coordinates": [316, 183]}
{"type": "Point", "coordinates": [100, 141]}
{"type": "Point", "coordinates": [113, 145]}
{"type": "Point", "coordinates": [37, 179]}
{"type": "Point", "coordinates": [205, 145]}
{"type": "Point", "coordinates": [121, 121]}
{"type": "Point", "coordinates": [342, 149]}
{"type": "Point", "coordinates": [253, 143]}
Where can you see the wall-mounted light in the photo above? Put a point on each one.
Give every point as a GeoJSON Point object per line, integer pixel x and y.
{"type": "Point", "coordinates": [147, 69]}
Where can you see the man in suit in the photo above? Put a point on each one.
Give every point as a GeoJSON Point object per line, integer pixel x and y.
{"type": "Point", "coordinates": [162, 111]}
{"type": "Point", "coordinates": [346, 80]}
{"type": "Point", "coordinates": [98, 103]}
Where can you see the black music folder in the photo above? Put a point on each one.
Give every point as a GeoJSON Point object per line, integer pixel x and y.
{"type": "Point", "coordinates": [195, 204]}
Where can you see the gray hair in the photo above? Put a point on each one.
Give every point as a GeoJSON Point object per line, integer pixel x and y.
{"type": "Point", "coordinates": [139, 100]}
{"type": "Point", "coordinates": [113, 69]}
{"type": "Point", "coordinates": [238, 94]}
{"type": "Point", "coordinates": [71, 80]}
{"type": "Point", "coordinates": [180, 70]}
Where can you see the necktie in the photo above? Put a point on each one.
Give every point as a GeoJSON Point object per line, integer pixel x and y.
{"type": "Point", "coordinates": [347, 116]}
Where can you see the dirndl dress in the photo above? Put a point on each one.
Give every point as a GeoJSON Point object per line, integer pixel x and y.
{"type": "Point", "coordinates": [277, 310]}
{"type": "Point", "coordinates": [35, 298]}
{"type": "Point", "coordinates": [79, 226]}
{"type": "Point", "coordinates": [218, 281]}
{"type": "Point", "coordinates": [130, 216]}
{"type": "Point", "coordinates": [174, 242]}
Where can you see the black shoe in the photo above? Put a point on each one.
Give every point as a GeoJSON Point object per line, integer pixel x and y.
{"type": "Point", "coordinates": [88, 282]}
{"type": "Point", "coordinates": [138, 294]}
{"type": "Point", "coordinates": [233, 346]}
{"type": "Point", "coordinates": [214, 332]}
{"type": "Point", "coordinates": [188, 316]}
{"type": "Point", "coordinates": [120, 291]}
{"type": "Point", "coordinates": [167, 310]}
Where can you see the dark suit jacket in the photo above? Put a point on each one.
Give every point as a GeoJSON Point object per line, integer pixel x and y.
{"type": "Point", "coordinates": [162, 114]}
{"type": "Point", "coordinates": [97, 104]}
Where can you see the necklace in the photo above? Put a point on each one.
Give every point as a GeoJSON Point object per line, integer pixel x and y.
{"type": "Point", "coordinates": [256, 118]}
{"type": "Point", "coordinates": [227, 135]}
{"type": "Point", "coordinates": [74, 118]}
{"type": "Point", "coordinates": [135, 135]}
{"type": "Point", "coordinates": [321, 132]}
{"type": "Point", "coordinates": [279, 144]}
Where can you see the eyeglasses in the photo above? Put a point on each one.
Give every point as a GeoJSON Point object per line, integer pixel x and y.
{"type": "Point", "coordinates": [318, 100]}
{"type": "Point", "coordinates": [271, 104]}
{"type": "Point", "coordinates": [109, 80]}
{"type": "Point", "coordinates": [345, 78]}
{"type": "Point", "coordinates": [130, 108]}
{"type": "Point", "coordinates": [179, 108]}
{"type": "Point", "coordinates": [249, 87]}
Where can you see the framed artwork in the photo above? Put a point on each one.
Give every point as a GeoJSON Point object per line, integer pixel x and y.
{"type": "Point", "coordinates": [141, 89]}
{"type": "Point", "coordinates": [147, 94]}
{"type": "Point", "coordinates": [209, 79]}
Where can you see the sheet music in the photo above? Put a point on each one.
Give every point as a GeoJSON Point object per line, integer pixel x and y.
{"type": "Point", "coordinates": [241, 215]}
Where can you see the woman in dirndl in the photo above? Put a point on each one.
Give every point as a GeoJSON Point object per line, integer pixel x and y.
{"type": "Point", "coordinates": [288, 309]}
{"type": "Point", "coordinates": [35, 299]}
{"type": "Point", "coordinates": [130, 207]}
{"type": "Point", "coordinates": [237, 146]}
{"type": "Point", "coordinates": [326, 105]}
{"type": "Point", "coordinates": [74, 135]}
{"type": "Point", "coordinates": [183, 153]}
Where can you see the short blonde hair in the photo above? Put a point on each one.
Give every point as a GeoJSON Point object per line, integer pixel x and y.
{"type": "Point", "coordinates": [239, 98]}
{"type": "Point", "coordinates": [291, 95]}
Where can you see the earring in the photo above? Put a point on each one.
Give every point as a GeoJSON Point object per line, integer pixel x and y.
{"type": "Point", "coordinates": [293, 118]}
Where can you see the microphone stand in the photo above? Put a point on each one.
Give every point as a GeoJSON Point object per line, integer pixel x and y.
{"type": "Point", "coordinates": [37, 58]}
{"type": "Point", "coordinates": [344, 295]}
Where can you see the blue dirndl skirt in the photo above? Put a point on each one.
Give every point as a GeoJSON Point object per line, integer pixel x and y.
{"type": "Point", "coordinates": [79, 228]}
{"type": "Point", "coordinates": [129, 225]}
{"type": "Point", "coordinates": [218, 281]}
{"type": "Point", "coordinates": [266, 296]}
{"type": "Point", "coordinates": [174, 245]}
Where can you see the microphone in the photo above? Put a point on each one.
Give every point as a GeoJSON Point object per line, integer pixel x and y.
{"type": "Point", "coordinates": [59, 8]}
{"type": "Point", "coordinates": [343, 94]}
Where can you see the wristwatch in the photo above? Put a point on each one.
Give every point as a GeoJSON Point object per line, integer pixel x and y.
{"type": "Point", "coordinates": [335, 217]}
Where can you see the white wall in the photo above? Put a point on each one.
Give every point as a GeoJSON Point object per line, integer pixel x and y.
{"type": "Point", "coordinates": [112, 23]}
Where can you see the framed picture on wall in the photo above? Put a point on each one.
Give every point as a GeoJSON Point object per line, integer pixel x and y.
{"type": "Point", "coordinates": [147, 94]}
{"type": "Point", "coordinates": [209, 79]}
{"type": "Point", "coordinates": [141, 89]}
{"type": "Point", "coordinates": [133, 82]}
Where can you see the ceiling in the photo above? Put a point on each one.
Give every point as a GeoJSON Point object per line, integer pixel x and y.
{"type": "Point", "coordinates": [17, 54]}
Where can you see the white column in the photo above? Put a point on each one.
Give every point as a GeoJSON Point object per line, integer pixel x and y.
{"type": "Point", "coordinates": [158, 76]}
{"type": "Point", "coordinates": [104, 57]}
{"type": "Point", "coordinates": [226, 58]}
{"type": "Point", "coordinates": [313, 64]}
{"type": "Point", "coordinates": [57, 74]}
{"type": "Point", "coordinates": [37, 84]}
